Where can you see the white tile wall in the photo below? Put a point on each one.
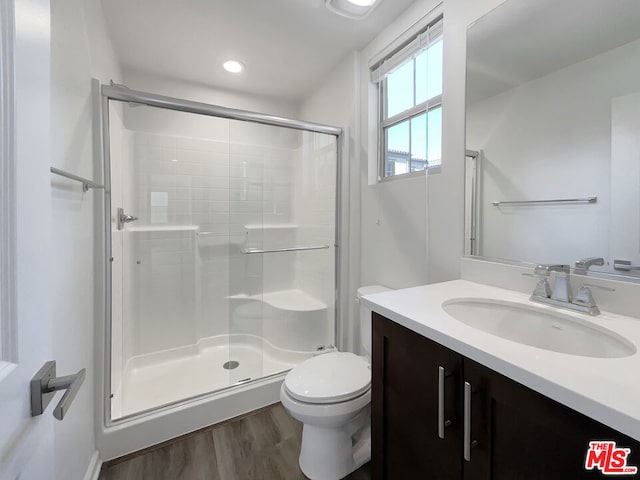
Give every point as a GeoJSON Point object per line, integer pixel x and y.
{"type": "Point", "coordinates": [180, 286]}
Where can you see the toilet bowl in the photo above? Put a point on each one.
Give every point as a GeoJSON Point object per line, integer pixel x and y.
{"type": "Point", "coordinates": [331, 395]}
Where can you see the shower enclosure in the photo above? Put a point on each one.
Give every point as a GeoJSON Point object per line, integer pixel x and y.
{"type": "Point", "coordinates": [221, 247]}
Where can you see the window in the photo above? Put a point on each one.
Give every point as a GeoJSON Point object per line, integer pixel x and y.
{"type": "Point", "coordinates": [409, 81]}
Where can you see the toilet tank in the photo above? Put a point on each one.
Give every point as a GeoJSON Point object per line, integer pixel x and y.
{"type": "Point", "coordinates": [365, 315]}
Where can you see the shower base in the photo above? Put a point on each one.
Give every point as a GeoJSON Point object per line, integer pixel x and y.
{"type": "Point", "coordinates": [162, 378]}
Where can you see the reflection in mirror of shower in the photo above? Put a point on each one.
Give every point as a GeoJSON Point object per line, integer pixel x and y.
{"type": "Point", "coordinates": [195, 302]}
{"type": "Point", "coordinates": [471, 234]}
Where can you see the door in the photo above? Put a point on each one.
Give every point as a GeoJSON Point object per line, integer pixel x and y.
{"type": "Point", "coordinates": [26, 443]}
{"type": "Point", "coordinates": [519, 433]}
{"type": "Point", "coordinates": [170, 223]}
{"type": "Point", "coordinates": [407, 439]}
{"type": "Point", "coordinates": [249, 157]}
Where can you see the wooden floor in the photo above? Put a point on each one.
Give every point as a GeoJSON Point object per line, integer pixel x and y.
{"type": "Point", "coordinates": [262, 446]}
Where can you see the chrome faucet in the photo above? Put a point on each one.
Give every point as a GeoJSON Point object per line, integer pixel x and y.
{"type": "Point", "coordinates": [561, 295]}
{"type": "Point", "coordinates": [561, 288]}
{"type": "Point", "coordinates": [583, 265]}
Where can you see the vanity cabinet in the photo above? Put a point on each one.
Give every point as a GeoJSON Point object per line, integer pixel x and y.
{"type": "Point", "coordinates": [515, 432]}
{"type": "Point", "coordinates": [404, 404]}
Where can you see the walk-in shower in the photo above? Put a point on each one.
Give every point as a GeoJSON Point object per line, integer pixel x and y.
{"type": "Point", "coordinates": [221, 248]}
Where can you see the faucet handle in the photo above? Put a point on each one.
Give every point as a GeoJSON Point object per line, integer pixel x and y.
{"type": "Point", "coordinates": [584, 297]}
{"type": "Point", "coordinates": [543, 289]}
{"type": "Point", "coordinates": [583, 265]}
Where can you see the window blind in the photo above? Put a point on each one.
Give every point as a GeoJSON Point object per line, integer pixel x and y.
{"type": "Point", "coordinates": [404, 48]}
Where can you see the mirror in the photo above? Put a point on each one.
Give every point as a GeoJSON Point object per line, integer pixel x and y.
{"type": "Point", "coordinates": [553, 134]}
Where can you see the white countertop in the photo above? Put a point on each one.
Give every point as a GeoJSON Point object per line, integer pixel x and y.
{"type": "Point", "coordinates": [605, 389]}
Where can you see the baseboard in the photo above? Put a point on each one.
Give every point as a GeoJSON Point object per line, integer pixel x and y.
{"type": "Point", "coordinates": [93, 470]}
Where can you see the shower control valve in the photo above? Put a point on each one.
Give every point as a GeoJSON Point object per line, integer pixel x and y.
{"type": "Point", "coordinates": [123, 218]}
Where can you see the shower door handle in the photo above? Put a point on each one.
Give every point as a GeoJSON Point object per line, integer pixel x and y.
{"type": "Point", "coordinates": [124, 218]}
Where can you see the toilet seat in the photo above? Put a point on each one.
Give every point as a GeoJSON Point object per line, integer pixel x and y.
{"type": "Point", "coordinates": [329, 378]}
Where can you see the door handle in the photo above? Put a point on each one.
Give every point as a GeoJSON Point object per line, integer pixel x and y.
{"type": "Point", "coordinates": [468, 444]}
{"type": "Point", "coordinates": [44, 386]}
{"type": "Point", "coordinates": [467, 422]}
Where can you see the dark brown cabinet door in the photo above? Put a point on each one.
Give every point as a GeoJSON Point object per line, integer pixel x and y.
{"type": "Point", "coordinates": [404, 406]}
{"type": "Point", "coordinates": [524, 435]}
{"type": "Point", "coordinates": [515, 433]}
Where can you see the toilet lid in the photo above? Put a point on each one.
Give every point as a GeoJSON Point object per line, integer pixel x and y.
{"type": "Point", "coordinates": [329, 378]}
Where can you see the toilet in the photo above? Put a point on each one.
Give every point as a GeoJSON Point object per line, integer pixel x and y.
{"type": "Point", "coordinates": [331, 395]}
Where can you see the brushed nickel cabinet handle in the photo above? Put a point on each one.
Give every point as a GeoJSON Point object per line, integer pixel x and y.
{"type": "Point", "coordinates": [441, 373]}
{"type": "Point", "coordinates": [442, 423]}
{"type": "Point", "coordinates": [467, 422]}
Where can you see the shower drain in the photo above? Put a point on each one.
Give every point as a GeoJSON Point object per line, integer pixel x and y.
{"type": "Point", "coordinates": [230, 365]}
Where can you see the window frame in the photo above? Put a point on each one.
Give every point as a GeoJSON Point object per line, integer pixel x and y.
{"type": "Point", "coordinates": [433, 103]}
{"type": "Point", "coordinates": [408, 114]}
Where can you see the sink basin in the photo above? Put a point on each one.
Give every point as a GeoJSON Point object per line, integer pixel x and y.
{"type": "Point", "coordinates": [539, 327]}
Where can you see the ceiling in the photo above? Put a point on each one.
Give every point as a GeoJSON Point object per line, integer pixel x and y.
{"type": "Point", "coordinates": [522, 40]}
{"type": "Point", "coordinates": [287, 46]}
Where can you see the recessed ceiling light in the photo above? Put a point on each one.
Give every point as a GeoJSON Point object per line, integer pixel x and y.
{"type": "Point", "coordinates": [233, 66]}
{"type": "Point", "coordinates": [356, 9]}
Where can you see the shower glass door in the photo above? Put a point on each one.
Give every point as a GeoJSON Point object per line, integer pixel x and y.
{"type": "Point", "coordinates": [247, 158]}
{"type": "Point", "coordinates": [222, 252]}
{"type": "Point", "coordinates": [170, 201]}
{"type": "Point", "coordinates": [282, 236]}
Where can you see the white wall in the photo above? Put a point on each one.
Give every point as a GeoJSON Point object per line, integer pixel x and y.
{"type": "Point", "coordinates": [207, 94]}
{"type": "Point", "coordinates": [393, 213]}
{"type": "Point", "coordinates": [551, 138]}
{"type": "Point", "coordinates": [80, 51]}
{"type": "Point", "coordinates": [391, 240]}
{"type": "Point", "coordinates": [387, 241]}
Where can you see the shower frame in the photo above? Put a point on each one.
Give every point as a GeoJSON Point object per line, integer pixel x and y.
{"type": "Point", "coordinates": [122, 93]}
